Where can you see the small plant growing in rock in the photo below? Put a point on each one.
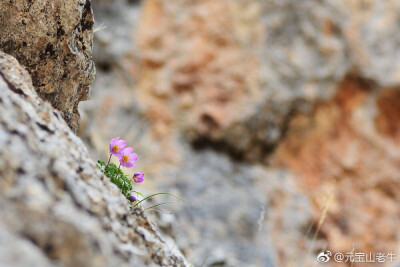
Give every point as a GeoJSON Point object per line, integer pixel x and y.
{"type": "Point", "coordinates": [127, 159]}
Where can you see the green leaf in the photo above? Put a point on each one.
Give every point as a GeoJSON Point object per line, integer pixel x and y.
{"type": "Point", "coordinates": [156, 195]}
{"type": "Point", "coordinates": [139, 193]}
{"type": "Point", "coordinates": [168, 202]}
{"type": "Point", "coordinates": [204, 262]}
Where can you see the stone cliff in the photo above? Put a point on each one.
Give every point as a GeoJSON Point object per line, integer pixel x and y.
{"type": "Point", "coordinates": [57, 209]}
{"type": "Point", "coordinates": [53, 40]}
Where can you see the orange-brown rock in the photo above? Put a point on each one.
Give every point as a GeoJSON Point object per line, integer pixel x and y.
{"type": "Point", "coordinates": [343, 149]}
{"type": "Point", "coordinates": [199, 72]}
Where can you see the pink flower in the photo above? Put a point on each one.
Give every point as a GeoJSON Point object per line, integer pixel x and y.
{"type": "Point", "coordinates": [116, 146]}
{"type": "Point", "coordinates": [127, 158]}
{"type": "Point", "coordinates": [138, 177]}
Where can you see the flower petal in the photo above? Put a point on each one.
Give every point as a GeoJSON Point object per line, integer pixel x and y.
{"type": "Point", "coordinates": [113, 141]}
{"type": "Point", "coordinates": [138, 180]}
{"type": "Point", "coordinates": [128, 165]}
{"type": "Point", "coordinates": [128, 151]}
{"type": "Point", "coordinates": [138, 177]}
{"type": "Point", "coordinates": [121, 143]}
{"type": "Point", "coordinates": [138, 174]}
{"type": "Point", "coordinates": [133, 157]}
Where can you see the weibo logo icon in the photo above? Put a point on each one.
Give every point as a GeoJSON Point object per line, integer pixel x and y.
{"type": "Point", "coordinates": [324, 256]}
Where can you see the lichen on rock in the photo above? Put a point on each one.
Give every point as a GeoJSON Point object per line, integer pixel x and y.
{"type": "Point", "coordinates": [53, 40]}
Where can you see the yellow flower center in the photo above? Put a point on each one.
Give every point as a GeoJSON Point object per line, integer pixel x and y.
{"type": "Point", "coordinates": [115, 148]}
{"type": "Point", "coordinates": [125, 158]}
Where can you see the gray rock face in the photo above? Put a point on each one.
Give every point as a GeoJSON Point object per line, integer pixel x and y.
{"type": "Point", "coordinates": [57, 208]}
{"type": "Point", "coordinates": [53, 41]}
{"type": "Point", "coordinates": [235, 214]}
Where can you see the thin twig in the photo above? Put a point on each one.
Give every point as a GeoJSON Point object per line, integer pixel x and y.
{"type": "Point", "coordinates": [108, 163]}
{"type": "Point", "coordinates": [321, 221]}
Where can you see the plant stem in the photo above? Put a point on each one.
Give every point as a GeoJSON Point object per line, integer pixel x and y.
{"type": "Point", "coordinates": [109, 160]}
{"type": "Point", "coordinates": [119, 167]}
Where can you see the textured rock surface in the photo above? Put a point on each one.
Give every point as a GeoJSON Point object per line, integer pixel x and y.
{"type": "Point", "coordinates": [359, 163]}
{"type": "Point", "coordinates": [57, 208]}
{"type": "Point", "coordinates": [249, 105]}
{"type": "Point", "coordinates": [232, 72]}
{"type": "Point", "coordinates": [231, 216]}
{"type": "Point", "coordinates": [53, 41]}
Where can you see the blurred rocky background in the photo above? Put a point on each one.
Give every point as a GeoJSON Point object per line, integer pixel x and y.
{"type": "Point", "coordinates": [277, 120]}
